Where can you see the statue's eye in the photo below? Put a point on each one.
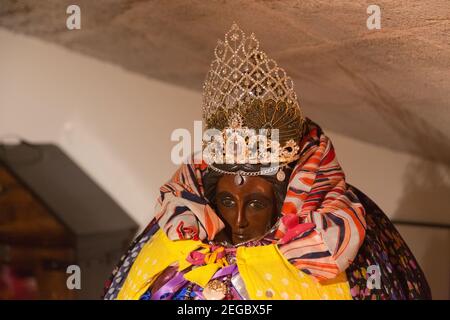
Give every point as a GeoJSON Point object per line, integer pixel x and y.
{"type": "Point", "coordinates": [228, 202]}
{"type": "Point", "coordinates": [256, 204]}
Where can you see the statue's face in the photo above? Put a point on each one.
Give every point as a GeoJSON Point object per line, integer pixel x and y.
{"type": "Point", "coordinates": [248, 210]}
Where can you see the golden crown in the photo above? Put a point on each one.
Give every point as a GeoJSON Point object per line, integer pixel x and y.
{"type": "Point", "coordinates": [245, 89]}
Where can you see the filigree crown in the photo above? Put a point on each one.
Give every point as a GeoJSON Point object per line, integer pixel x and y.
{"type": "Point", "coordinates": [246, 89]}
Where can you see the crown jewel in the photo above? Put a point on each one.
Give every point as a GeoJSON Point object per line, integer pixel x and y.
{"type": "Point", "coordinates": [245, 89]}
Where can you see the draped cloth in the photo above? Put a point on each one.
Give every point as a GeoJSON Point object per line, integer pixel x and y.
{"type": "Point", "coordinates": [322, 222]}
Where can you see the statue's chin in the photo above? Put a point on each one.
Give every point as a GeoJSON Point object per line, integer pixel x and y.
{"type": "Point", "coordinates": [237, 239]}
{"type": "Point", "coordinates": [224, 236]}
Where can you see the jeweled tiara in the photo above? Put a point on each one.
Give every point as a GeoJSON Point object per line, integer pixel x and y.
{"type": "Point", "coordinates": [246, 89]}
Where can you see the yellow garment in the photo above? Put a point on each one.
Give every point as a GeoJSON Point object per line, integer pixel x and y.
{"type": "Point", "coordinates": [156, 255]}
{"type": "Point", "coordinates": [268, 275]}
{"type": "Point", "coordinates": [202, 275]}
{"type": "Point", "coordinates": [264, 270]}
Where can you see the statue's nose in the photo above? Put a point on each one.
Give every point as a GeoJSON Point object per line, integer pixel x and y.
{"type": "Point", "coordinates": [241, 220]}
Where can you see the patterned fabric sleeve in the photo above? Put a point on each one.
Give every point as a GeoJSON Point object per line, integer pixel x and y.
{"type": "Point", "coordinates": [182, 211]}
{"type": "Point", "coordinates": [400, 275]}
{"type": "Point", "coordinates": [120, 272]}
{"type": "Point", "coordinates": [319, 197]}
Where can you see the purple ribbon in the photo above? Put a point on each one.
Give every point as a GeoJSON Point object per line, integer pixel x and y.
{"type": "Point", "coordinates": [170, 287]}
{"type": "Point", "coordinates": [173, 285]}
{"type": "Point", "coordinates": [225, 271]}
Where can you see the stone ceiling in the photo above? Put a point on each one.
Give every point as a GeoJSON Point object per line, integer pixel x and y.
{"type": "Point", "coordinates": [390, 87]}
